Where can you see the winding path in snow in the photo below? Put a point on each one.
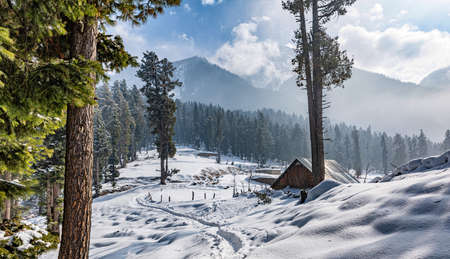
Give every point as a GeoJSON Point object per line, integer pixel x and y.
{"type": "Point", "coordinates": [233, 240]}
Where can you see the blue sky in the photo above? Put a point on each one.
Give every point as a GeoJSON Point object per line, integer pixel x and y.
{"type": "Point", "coordinates": [403, 39]}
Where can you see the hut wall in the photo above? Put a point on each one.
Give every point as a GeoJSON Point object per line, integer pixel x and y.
{"type": "Point", "coordinates": [299, 177]}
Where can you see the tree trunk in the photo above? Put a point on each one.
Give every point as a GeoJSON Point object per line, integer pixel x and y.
{"type": "Point", "coordinates": [310, 89]}
{"type": "Point", "coordinates": [7, 214]}
{"type": "Point", "coordinates": [163, 172]}
{"type": "Point", "coordinates": [49, 196]}
{"type": "Point", "coordinates": [318, 164]}
{"type": "Point", "coordinates": [97, 177]}
{"type": "Point", "coordinates": [79, 156]}
{"type": "Point", "coordinates": [55, 209]}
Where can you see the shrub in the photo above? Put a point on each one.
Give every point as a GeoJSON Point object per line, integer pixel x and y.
{"type": "Point", "coordinates": [19, 240]}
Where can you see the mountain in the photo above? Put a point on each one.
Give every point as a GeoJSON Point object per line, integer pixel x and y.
{"type": "Point", "coordinates": [208, 83]}
{"type": "Point", "coordinates": [367, 99]}
{"type": "Point", "coordinates": [438, 79]}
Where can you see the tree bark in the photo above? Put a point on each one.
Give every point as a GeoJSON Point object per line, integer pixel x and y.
{"type": "Point", "coordinates": [55, 209]}
{"type": "Point", "coordinates": [49, 196]}
{"type": "Point", "coordinates": [309, 88]}
{"type": "Point", "coordinates": [96, 177]}
{"type": "Point", "coordinates": [79, 156]}
{"type": "Point", "coordinates": [318, 164]}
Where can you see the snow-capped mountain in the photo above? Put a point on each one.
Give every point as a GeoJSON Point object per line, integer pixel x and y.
{"type": "Point", "coordinates": [438, 79]}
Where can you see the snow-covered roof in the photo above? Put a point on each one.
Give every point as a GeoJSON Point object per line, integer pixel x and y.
{"type": "Point", "coordinates": [333, 170]}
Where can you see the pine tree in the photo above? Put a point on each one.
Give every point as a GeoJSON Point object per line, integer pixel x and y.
{"type": "Point", "coordinates": [263, 139]}
{"type": "Point", "coordinates": [357, 166]}
{"type": "Point", "coordinates": [50, 176]}
{"type": "Point", "coordinates": [157, 76]}
{"type": "Point", "coordinates": [422, 145]}
{"type": "Point", "coordinates": [337, 145]}
{"type": "Point", "coordinates": [446, 142]}
{"type": "Point", "coordinates": [102, 150]}
{"type": "Point", "coordinates": [137, 109]}
{"type": "Point", "coordinates": [399, 151]}
{"type": "Point", "coordinates": [384, 153]}
{"type": "Point", "coordinates": [219, 133]}
{"type": "Point", "coordinates": [126, 124]}
{"type": "Point", "coordinates": [62, 54]}
{"type": "Point", "coordinates": [320, 62]}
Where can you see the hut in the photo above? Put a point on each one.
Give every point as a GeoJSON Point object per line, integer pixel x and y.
{"type": "Point", "coordinates": [299, 174]}
{"type": "Point", "coordinates": [274, 171]}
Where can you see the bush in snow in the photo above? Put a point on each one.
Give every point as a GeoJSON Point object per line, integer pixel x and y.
{"type": "Point", "coordinates": [18, 240]}
{"type": "Point", "coordinates": [263, 197]}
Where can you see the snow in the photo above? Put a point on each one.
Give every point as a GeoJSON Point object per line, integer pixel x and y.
{"type": "Point", "coordinates": [405, 218]}
{"type": "Point", "coordinates": [26, 235]}
{"type": "Point", "coordinates": [320, 189]}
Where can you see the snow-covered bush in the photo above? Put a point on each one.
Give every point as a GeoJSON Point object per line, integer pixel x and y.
{"type": "Point", "coordinates": [263, 197]}
{"type": "Point", "coordinates": [19, 240]}
{"type": "Point", "coordinates": [419, 165]}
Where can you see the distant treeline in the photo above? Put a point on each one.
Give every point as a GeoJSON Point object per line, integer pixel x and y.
{"type": "Point", "coordinates": [274, 135]}
{"type": "Point", "coordinates": [122, 129]}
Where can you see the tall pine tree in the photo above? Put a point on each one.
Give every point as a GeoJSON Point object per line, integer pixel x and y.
{"type": "Point", "coordinates": [158, 88]}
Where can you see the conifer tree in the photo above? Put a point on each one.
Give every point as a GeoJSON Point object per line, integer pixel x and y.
{"type": "Point", "coordinates": [357, 166]}
{"type": "Point", "coordinates": [384, 153]}
{"type": "Point", "coordinates": [137, 109]}
{"type": "Point", "coordinates": [102, 150]}
{"type": "Point", "coordinates": [219, 133]}
{"type": "Point", "coordinates": [422, 143]}
{"type": "Point", "coordinates": [157, 76]}
{"type": "Point", "coordinates": [50, 174]}
{"type": "Point", "coordinates": [337, 145]}
{"type": "Point", "coordinates": [399, 150]}
{"type": "Point", "coordinates": [320, 63]}
{"type": "Point", "coordinates": [126, 124]}
{"type": "Point", "coordinates": [446, 142]}
{"type": "Point", "coordinates": [263, 139]}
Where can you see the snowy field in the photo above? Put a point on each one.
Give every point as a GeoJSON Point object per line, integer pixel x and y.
{"type": "Point", "coordinates": [408, 217]}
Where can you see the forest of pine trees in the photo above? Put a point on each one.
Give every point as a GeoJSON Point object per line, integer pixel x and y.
{"type": "Point", "coordinates": [277, 136]}
{"type": "Point", "coordinates": [120, 130]}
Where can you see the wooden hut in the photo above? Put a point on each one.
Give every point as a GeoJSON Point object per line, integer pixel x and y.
{"type": "Point", "coordinates": [299, 174]}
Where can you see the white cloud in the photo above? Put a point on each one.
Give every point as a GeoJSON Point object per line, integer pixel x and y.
{"type": "Point", "coordinates": [211, 2]}
{"type": "Point", "coordinates": [376, 13]}
{"type": "Point", "coordinates": [259, 19]}
{"type": "Point", "coordinates": [185, 37]}
{"type": "Point", "coordinates": [187, 7]}
{"type": "Point", "coordinates": [405, 53]}
{"type": "Point", "coordinates": [249, 56]}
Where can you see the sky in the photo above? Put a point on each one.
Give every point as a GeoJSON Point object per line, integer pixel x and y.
{"type": "Point", "coordinates": [402, 39]}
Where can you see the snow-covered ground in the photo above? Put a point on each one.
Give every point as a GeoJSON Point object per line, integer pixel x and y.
{"type": "Point", "coordinates": [408, 217]}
